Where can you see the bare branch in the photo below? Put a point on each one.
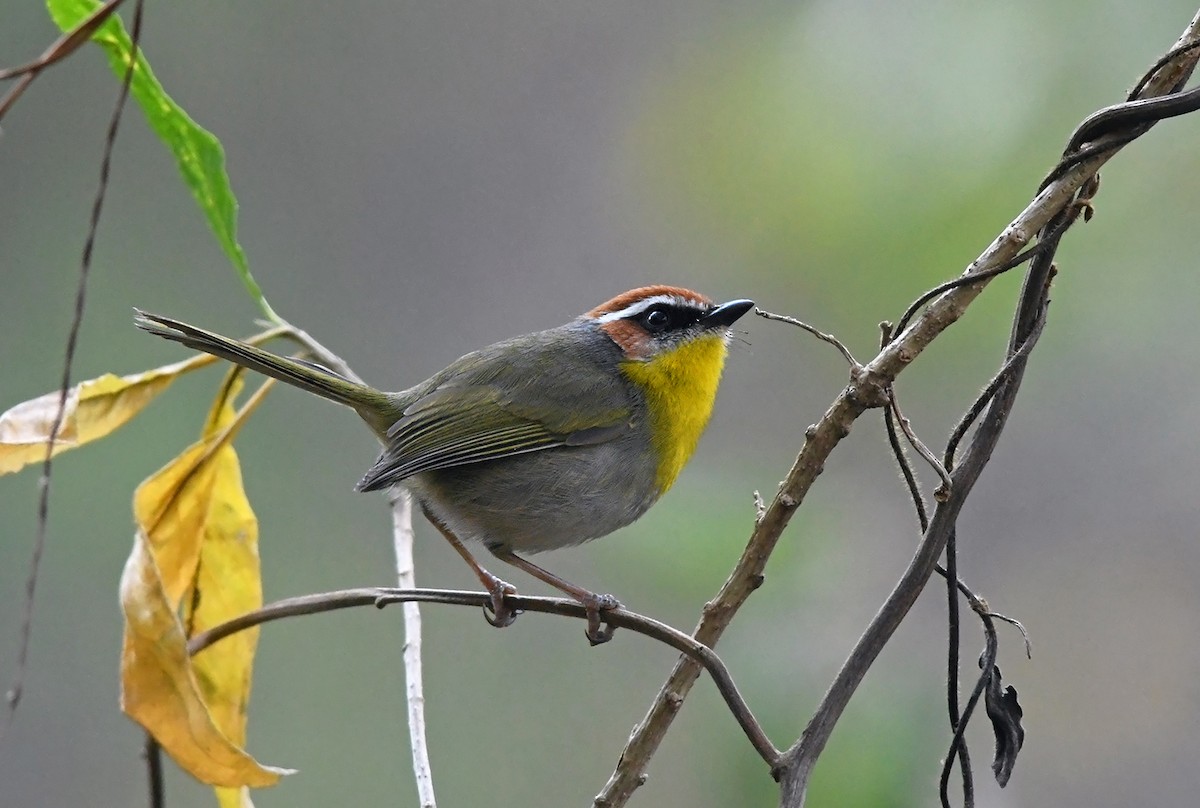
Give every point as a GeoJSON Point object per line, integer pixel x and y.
{"type": "Point", "coordinates": [618, 618]}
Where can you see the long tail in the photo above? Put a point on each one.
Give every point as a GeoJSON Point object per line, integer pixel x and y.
{"type": "Point", "coordinates": [370, 403]}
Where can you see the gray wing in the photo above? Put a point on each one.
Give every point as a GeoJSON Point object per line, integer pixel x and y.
{"type": "Point", "coordinates": [519, 396]}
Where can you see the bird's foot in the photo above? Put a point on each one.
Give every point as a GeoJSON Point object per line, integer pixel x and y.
{"type": "Point", "coordinates": [599, 630]}
{"type": "Point", "coordinates": [499, 613]}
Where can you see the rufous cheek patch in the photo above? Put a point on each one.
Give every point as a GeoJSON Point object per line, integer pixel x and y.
{"type": "Point", "coordinates": [630, 337]}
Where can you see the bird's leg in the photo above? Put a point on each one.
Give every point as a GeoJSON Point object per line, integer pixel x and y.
{"type": "Point", "coordinates": [593, 603]}
{"type": "Point", "coordinates": [502, 614]}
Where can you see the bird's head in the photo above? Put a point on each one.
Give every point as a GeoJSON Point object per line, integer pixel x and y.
{"type": "Point", "coordinates": [653, 321]}
{"type": "Point", "coordinates": [673, 343]}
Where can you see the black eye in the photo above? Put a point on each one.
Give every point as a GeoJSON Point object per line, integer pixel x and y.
{"type": "Point", "coordinates": [657, 319]}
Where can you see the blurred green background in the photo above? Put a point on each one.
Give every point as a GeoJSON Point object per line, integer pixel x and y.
{"type": "Point", "coordinates": [420, 179]}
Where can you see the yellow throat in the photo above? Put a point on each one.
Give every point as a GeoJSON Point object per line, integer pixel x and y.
{"type": "Point", "coordinates": [680, 387]}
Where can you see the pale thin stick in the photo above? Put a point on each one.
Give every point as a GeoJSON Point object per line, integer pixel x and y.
{"type": "Point", "coordinates": [402, 541]}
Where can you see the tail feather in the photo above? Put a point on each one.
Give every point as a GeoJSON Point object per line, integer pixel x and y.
{"type": "Point", "coordinates": [305, 375]}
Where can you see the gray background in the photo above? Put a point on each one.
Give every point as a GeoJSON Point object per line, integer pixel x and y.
{"type": "Point", "coordinates": [417, 180]}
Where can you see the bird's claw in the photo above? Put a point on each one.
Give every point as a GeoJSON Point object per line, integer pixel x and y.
{"type": "Point", "coordinates": [599, 630]}
{"type": "Point", "coordinates": [498, 613]}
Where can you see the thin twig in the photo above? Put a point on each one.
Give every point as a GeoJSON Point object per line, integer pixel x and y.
{"type": "Point", "coordinates": [618, 618]}
{"type": "Point", "coordinates": [402, 541]}
{"type": "Point", "coordinates": [1015, 623]}
{"type": "Point", "coordinates": [152, 753]}
{"type": "Point", "coordinates": [951, 577]}
{"type": "Point", "coordinates": [1174, 53]}
{"type": "Point", "coordinates": [906, 469]}
{"type": "Point", "coordinates": [66, 44]}
{"type": "Point", "coordinates": [958, 744]}
{"type": "Point", "coordinates": [985, 397]}
{"type": "Point", "coordinates": [959, 724]}
{"type": "Point", "coordinates": [944, 490]}
{"type": "Point", "coordinates": [319, 352]}
{"type": "Point", "coordinates": [966, 280]}
{"type": "Point", "coordinates": [830, 338]}
{"type": "Point", "coordinates": [13, 696]}
{"type": "Point", "coordinates": [1008, 374]}
{"type": "Point", "coordinates": [62, 47]}
{"type": "Point", "coordinates": [978, 604]}
{"type": "Point", "coordinates": [958, 720]}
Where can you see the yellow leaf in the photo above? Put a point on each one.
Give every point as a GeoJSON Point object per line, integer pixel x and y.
{"type": "Point", "coordinates": [234, 798]}
{"type": "Point", "coordinates": [94, 408]}
{"type": "Point", "coordinates": [196, 551]}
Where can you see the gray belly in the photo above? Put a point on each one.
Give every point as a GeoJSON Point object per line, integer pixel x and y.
{"type": "Point", "coordinates": [541, 500]}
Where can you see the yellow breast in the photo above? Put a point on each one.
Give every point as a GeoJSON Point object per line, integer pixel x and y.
{"type": "Point", "coordinates": [680, 387]}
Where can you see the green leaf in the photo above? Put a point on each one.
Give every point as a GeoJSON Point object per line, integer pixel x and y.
{"type": "Point", "coordinates": [197, 152]}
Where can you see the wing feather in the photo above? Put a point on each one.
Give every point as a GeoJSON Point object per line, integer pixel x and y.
{"type": "Point", "coordinates": [460, 425]}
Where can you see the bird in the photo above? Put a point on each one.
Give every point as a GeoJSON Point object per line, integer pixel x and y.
{"type": "Point", "coordinates": [538, 442]}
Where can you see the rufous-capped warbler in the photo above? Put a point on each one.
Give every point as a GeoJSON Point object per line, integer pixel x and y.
{"type": "Point", "coordinates": [541, 441]}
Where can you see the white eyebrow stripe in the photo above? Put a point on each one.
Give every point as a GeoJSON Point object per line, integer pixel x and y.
{"type": "Point", "coordinates": [645, 303]}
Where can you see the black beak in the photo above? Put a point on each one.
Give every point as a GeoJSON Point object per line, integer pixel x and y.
{"type": "Point", "coordinates": [726, 314]}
